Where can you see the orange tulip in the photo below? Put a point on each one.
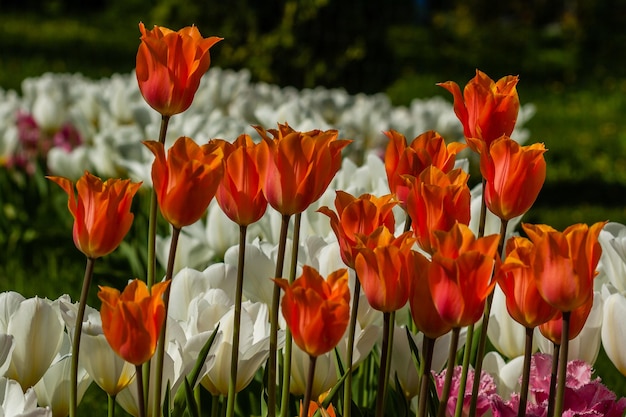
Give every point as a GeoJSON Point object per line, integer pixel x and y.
{"type": "Point", "coordinates": [316, 310]}
{"type": "Point", "coordinates": [132, 320]}
{"type": "Point", "coordinates": [517, 280]}
{"type": "Point", "coordinates": [514, 175]}
{"type": "Point", "coordinates": [425, 150]}
{"type": "Point", "coordinates": [358, 216]}
{"type": "Point", "coordinates": [383, 271]}
{"type": "Point", "coordinates": [240, 195]}
{"type": "Point", "coordinates": [460, 274]}
{"type": "Point", "coordinates": [566, 262]}
{"type": "Point", "coordinates": [436, 201]}
{"type": "Point", "coordinates": [186, 182]}
{"type": "Point", "coordinates": [101, 212]}
{"type": "Point", "coordinates": [297, 167]}
{"type": "Point", "coordinates": [487, 109]}
{"type": "Point", "coordinates": [170, 65]}
{"type": "Point", "coordinates": [553, 329]}
{"type": "Point", "coordinates": [423, 310]}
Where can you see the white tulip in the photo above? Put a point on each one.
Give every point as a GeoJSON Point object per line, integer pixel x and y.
{"type": "Point", "coordinates": [507, 375]}
{"type": "Point", "coordinates": [614, 331]}
{"type": "Point", "coordinates": [15, 403]}
{"type": "Point", "coordinates": [612, 265]}
{"type": "Point", "coordinates": [506, 335]}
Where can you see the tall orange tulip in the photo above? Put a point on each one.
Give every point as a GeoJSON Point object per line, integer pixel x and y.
{"type": "Point", "coordinates": [486, 109]}
{"type": "Point", "coordinates": [186, 181]}
{"type": "Point", "coordinates": [423, 310]}
{"type": "Point", "coordinates": [297, 167]}
{"type": "Point", "coordinates": [566, 262]}
{"type": "Point", "coordinates": [316, 310]}
{"type": "Point", "coordinates": [514, 175]}
{"type": "Point", "coordinates": [132, 320]}
{"type": "Point", "coordinates": [170, 65]}
{"type": "Point", "coordinates": [460, 274]}
{"type": "Point", "coordinates": [436, 201]}
{"type": "Point", "coordinates": [358, 216]}
{"type": "Point", "coordinates": [240, 195]}
{"type": "Point", "coordinates": [553, 328]}
{"type": "Point", "coordinates": [383, 271]}
{"type": "Point", "coordinates": [425, 150]}
{"type": "Point", "coordinates": [101, 212]}
{"type": "Point", "coordinates": [517, 280]}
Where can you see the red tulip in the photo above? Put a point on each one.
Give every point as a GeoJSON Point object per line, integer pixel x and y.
{"type": "Point", "coordinates": [240, 195]}
{"type": "Point", "coordinates": [487, 109]}
{"type": "Point", "coordinates": [186, 181]}
{"type": "Point", "coordinates": [553, 329]}
{"type": "Point", "coordinates": [297, 167]}
{"type": "Point", "coordinates": [425, 150]}
{"type": "Point", "coordinates": [170, 65]}
{"type": "Point", "coordinates": [132, 320]}
{"type": "Point", "coordinates": [358, 216]}
{"type": "Point", "coordinates": [101, 212]}
{"type": "Point", "coordinates": [317, 311]}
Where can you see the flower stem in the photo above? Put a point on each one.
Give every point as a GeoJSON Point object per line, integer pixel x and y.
{"type": "Point", "coordinates": [347, 386]}
{"type": "Point", "coordinates": [78, 329]}
{"type": "Point", "coordinates": [428, 345]}
{"type": "Point", "coordinates": [383, 373]}
{"type": "Point", "coordinates": [562, 371]}
{"type": "Point", "coordinates": [272, 363]}
{"type": "Point", "coordinates": [141, 403]}
{"type": "Point", "coordinates": [482, 343]}
{"type": "Point", "coordinates": [288, 339]}
{"type": "Point", "coordinates": [160, 354]}
{"type": "Point", "coordinates": [110, 405]}
{"type": "Point", "coordinates": [445, 393]}
{"type": "Point", "coordinates": [309, 386]}
{"type": "Point", "coordinates": [467, 353]}
{"type": "Point", "coordinates": [555, 361]}
{"type": "Point", "coordinates": [523, 395]}
{"type": "Point", "coordinates": [234, 359]}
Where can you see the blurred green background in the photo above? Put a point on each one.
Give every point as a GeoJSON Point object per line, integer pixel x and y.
{"type": "Point", "coordinates": [569, 56]}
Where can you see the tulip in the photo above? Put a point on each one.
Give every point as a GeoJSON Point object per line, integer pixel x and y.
{"type": "Point", "coordinates": [425, 150]}
{"type": "Point", "coordinates": [30, 320]}
{"type": "Point", "coordinates": [132, 320]}
{"type": "Point", "coordinates": [565, 263]}
{"type": "Point", "coordinates": [188, 168]}
{"type": "Point", "coordinates": [316, 310]}
{"type": "Point", "coordinates": [506, 335]}
{"type": "Point", "coordinates": [613, 330]}
{"type": "Point", "coordinates": [297, 167]}
{"type": "Point", "coordinates": [170, 65]}
{"type": "Point", "coordinates": [460, 274]}
{"type": "Point", "coordinates": [383, 271]}
{"type": "Point", "coordinates": [240, 195]}
{"type": "Point", "coordinates": [514, 175]}
{"type": "Point", "coordinates": [612, 265]}
{"type": "Point", "coordinates": [16, 402]}
{"type": "Point", "coordinates": [487, 109]}
{"type": "Point", "coordinates": [518, 282]}
{"type": "Point", "coordinates": [436, 201]}
{"type": "Point", "coordinates": [101, 212]}
{"type": "Point", "coordinates": [355, 216]}
{"type": "Point", "coordinates": [553, 328]}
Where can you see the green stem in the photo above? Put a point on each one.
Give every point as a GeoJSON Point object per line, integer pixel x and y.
{"type": "Point", "coordinates": [562, 372]}
{"type": "Point", "coordinates": [295, 244]}
{"type": "Point", "coordinates": [383, 373]}
{"type": "Point", "coordinates": [467, 353]}
{"type": "Point", "coordinates": [555, 361]}
{"type": "Point", "coordinates": [272, 362]}
{"type": "Point", "coordinates": [480, 354]}
{"type": "Point", "coordinates": [160, 354]}
{"type": "Point", "coordinates": [347, 387]}
{"type": "Point", "coordinates": [78, 329]}
{"type": "Point", "coordinates": [428, 345]}
{"type": "Point", "coordinates": [523, 395]}
{"type": "Point", "coordinates": [445, 393]}
{"type": "Point", "coordinates": [215, 406]}
{"type": "Point", "coordinates": [141, 403]}
{"type": "Point", "coordinates": [152, 231]}
{"type": "Point", "coordinates": [110, 405]}
{"type": "Point", "coordinates": [234, 359]}
{"type": "Point", "coordinates": [483, 211]}
{"type": "Point", "coordinates": [309, 386]}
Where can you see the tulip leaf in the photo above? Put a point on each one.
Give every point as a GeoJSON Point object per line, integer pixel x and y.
{"type": "Point", "coordinates": [192, 407]}
{"type": "Point", "coordinates": [414, 349]}
{"type": "Point", "coordinates": [166, 401]}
